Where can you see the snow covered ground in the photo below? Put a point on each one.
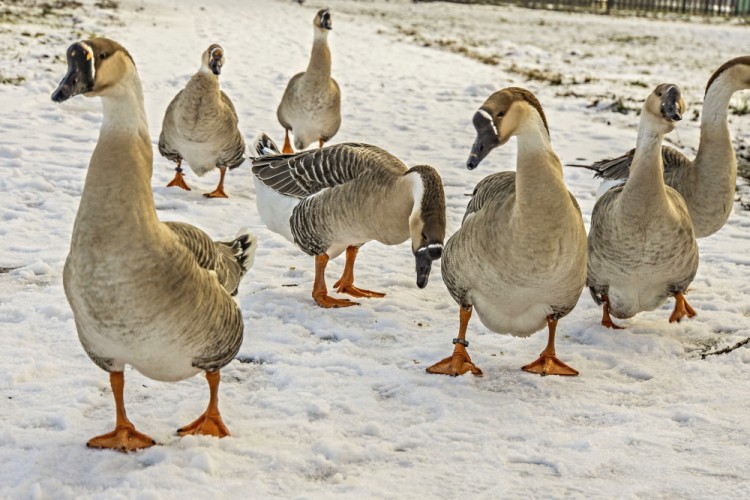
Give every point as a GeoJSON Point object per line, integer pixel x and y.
{"type": "Point", "coordinates": [326, 403]}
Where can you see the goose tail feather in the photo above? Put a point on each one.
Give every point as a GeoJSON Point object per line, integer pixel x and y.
{"type": "Point", "coordinates": [264, 146]}
{"type": "Point", "coordinates": [243, 247]}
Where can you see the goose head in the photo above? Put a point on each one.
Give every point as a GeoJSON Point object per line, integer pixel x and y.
{"type": "Point", "coordinates": [323, 21]}
{"type": "Point", "coordinates": [427, 220]}
{"type": "Point", "coordinates": [213, 59]}
{"type": "Point", "coordinates": [95, 66]}
{"type": "Point", "coordinates": [664, 106]}
{"type": "Point", "coordinates": [734, 73]}
{"type": "Point", "coordinates": [500, 118]}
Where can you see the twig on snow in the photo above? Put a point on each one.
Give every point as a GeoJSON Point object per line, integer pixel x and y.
{"type": "Point", "coordinates": [726, 349]}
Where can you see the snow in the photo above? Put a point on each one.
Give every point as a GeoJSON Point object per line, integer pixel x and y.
{"type": "Point", "coordinates": [325, 403]}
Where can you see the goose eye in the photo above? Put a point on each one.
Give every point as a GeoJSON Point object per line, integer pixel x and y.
{"type": "Point", "coordinates": [658, 94]}
{"type": "Point", "coordinates": [103, 55]}
{"type": "Point", "coordinates": [500, 114]}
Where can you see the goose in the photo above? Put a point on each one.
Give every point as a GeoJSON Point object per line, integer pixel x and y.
{"type": "Point", "coordinates": [311, 105]}
{"type": "Point", "coordinates": [200, 126]}
{"type": "Point", "coordinates": [152, 295]}
{"type": "Point", "coordinates": [708, 181]}
{"type": "Point", "coordinates": [642, 246]}
{"type": "Point", "coordinates": [337, 198]}
{"type": "Point", "coordinates": [519, 257]}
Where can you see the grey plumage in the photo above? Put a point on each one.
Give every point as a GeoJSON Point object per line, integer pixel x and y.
{"type": "Point", "coordinates": [230, 260]}
{"type": "Point", "coordinates": [485, 244]}
{"type": "Point", "coordinates": [362, 176]}
{"type": "Point", "coordinates": [676, 167]}
{"type": "Point", "coordinates": [192, 117]}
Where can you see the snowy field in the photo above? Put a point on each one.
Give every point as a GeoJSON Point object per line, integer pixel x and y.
{"type": "Point", "coordinates": [325, 403]}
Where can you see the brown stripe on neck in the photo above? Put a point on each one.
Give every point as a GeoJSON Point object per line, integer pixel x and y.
{"type": "Point", "coordinates": [729, 64]}
{"type": "Point", "coordinates": [522, 94]}
{"type": "Point", "coordinates": [432, 204]}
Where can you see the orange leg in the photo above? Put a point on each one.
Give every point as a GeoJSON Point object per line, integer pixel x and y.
{"type": "Point", "coordinates": [681, 308]}
{"type": "Point", "coordinates": [320, 143]}
{"type": "Point", "coordinates": [124, 438]}
{"type": "Point", "coordinates": [219, 191]}
{"type": "Point", "coordinates": [548, 364]}
{"type": "Point", "coordinates": [287, 149]}
{"type": "Point", "coordinates": [346, 283]}
{"type": "Point", "coordinates": [320, 292]}
{"type": "Point", "coordinates": [210, 423]}
{"type": "Point", "coordinates": [606, 319]}
{"type": "Point", "coordinates": [459, 362]}
{"type": "Point", "coordinates": [179, 179]}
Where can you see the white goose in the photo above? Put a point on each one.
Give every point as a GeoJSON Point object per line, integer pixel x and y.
{"type": "Point", "coordinates": [200, 126]}
{"type": "Point", "coordinates": [154, 295]}
{"type": "Point", "coordinates": [707, 183]}
{"type": "Point", "coordinates": [642, 246]}
{"type": "Point", "coordinates": [332, 199]}
{"type": "Point", "coordinates": [519, 257]}
{"type": "Point", "coordinates": [311, 104]}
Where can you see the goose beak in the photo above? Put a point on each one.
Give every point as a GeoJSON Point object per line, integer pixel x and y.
{"type": "Point", "coordinates": [672, 105]}
{"type": "Point", "coordinates": [486, 140]}
{"type": "Point", "coordinates": [325, 21]}
{"type": "Point", "coordinates": [216, 60]}
{"type": "Point", "coordinates": [80, 76]}
{"type": "Point", "coordinates": [424, 257]}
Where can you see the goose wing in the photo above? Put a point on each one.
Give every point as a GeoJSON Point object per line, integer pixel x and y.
{"type": "Point", "coordinates": [228, 103]}
{"type": "Point", "coordinates": [304, 174]}
{"type": "Point", "coordinates": [619, 168]}
{"type": "Point", "coordinates": [228, 259]}
{"type": "Point", "coordinates": [493, 187]}
{"type": "Point", "coordinates": [165, 148]}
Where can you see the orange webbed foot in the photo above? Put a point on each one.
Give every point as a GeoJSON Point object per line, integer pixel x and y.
{"type": "Point", "coordinates": [681, 309]}
{"type": "Point", "coordinates": [548, 364]}
{"type": "Point", "coordinates": [357, 292]}
{"type": "Point", "coordinates": [124, 438]}
{"type": "Point", "coordinates": [607, 319]}
{"type": "Point", "coordinates": [328, 302]}
{"type": "Point", "coordinates": [456, 364]}
{"type": "Point", "coordinates": [611, 324]}
{"type": "Point", "coordinates": [208, 424]}
{"type": "Point", "coordinates": [216, 193]}
{"type": "Point", "coordinates": [179, 181]}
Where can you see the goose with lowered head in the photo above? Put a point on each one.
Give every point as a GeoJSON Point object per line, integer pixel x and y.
{"type": "Point", "coordinates": [338, 198]}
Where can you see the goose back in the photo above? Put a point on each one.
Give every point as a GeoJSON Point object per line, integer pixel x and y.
{"type": "Point", "coordinates": [349, 194]}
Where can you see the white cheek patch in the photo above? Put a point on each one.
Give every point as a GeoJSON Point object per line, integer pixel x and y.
{"type": "Point", "coordinates": [90, 59]}
{"type": "Point", "coordinates": [432, 246]}
{"type": "Point", "coordinates": [489, 119]}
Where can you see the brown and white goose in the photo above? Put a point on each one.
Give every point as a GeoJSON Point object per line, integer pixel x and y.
{"type": "Point", "coordinates": [707, 183]}
{"type": "Point", "coordinates": [519, 258]}
{"type": "Point", "coordinates": [642, 246]}
{"type": "Point", "coordinates": [200, 126]}
{"type": "Point", "coordinates": [311, 105]}
{"type": "Point", "coordinates": [156, 296]}
{"type": "Point", "coordinates": [330, 200]}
